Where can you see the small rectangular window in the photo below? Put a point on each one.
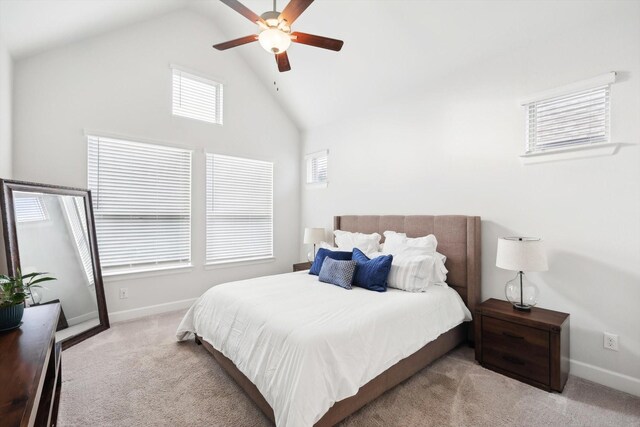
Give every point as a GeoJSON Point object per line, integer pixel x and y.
{"type": "Point", "coordinates": [239, 209]}
{"type": "Point", "coordinates": [141, 196]}
{"type": "Point", "coordinates": [578, 115]}
{"type": "Point", "coordinates": [196, 97]}
{"type": "Point", "coordinates": [317, 167]}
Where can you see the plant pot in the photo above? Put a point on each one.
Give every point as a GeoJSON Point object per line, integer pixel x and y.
{"type": "Point", "coordinates": [10, 317]}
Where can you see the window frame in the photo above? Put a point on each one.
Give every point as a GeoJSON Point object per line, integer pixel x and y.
{"type": "Point", "coordinates": [233, 262]}
{"type": "Point", "coordinates": [147, 269]}
{"type": "Point", "coordinates": [570, 148]}
{"type": "Point", "coordinates": [309, 159]}
{"type": "Point", "coordinates": [199, 77]}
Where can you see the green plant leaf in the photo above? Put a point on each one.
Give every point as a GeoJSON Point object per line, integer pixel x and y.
{"type": "Point", "coordinates": [42, 279]}
{"type": "Point", "coordinates": [18, 298]}
{"type": "Point", "coordinates": [26, 276]}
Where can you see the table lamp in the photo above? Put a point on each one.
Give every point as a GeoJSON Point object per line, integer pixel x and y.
{"type": "Point", "coordinates": [521, 254]}
{"type": "Point", "coordinates": [313, 236]}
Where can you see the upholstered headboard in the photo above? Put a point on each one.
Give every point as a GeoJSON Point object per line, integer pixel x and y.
{"type": "Point", "coordinates": [458, 238]}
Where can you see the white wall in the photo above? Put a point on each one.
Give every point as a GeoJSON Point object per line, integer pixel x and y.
{"type": "Point", "coordinates": [452, 146]}
{"type": "Point", "coordinates": [6, 90]}
{"type": "Point", "coordinates": [121, 83]}
{"type": "Point", "coordinates": [6, 72]}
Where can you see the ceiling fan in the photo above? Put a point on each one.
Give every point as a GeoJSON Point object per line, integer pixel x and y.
{"type": "Point", "coordinates": [274, 31]}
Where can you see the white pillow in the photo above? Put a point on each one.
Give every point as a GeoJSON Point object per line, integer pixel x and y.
{"type": "Point", "coordinates": [396, 243]}
{"type": "Point", "coordinates": [367, 243]}
{"type": "Point", "coordinates": [412, 272]}
{"type": "Point", "coordinates": [325, 245]}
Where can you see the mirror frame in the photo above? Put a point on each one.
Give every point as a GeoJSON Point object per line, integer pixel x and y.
{"type": "Point", "coordinates": [13, 253]}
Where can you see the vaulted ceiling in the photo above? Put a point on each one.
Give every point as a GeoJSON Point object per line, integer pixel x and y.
{"type": "Point", "coordinates": [391, 47]}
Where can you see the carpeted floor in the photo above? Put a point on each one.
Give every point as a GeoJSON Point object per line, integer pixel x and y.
{"type": "Point", "coordinates": [136, 374]}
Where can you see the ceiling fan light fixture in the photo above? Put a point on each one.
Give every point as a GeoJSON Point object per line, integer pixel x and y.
{"type": "Point", "coordinates": [274, 40]}
{"type": "Point", "coordinates": [274, 31]}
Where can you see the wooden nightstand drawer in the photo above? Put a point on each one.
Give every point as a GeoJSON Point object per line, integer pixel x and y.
{"type": "Point", "coordinates": [519, 348]}
{"type": "Point", "coordinates": [529, 346]}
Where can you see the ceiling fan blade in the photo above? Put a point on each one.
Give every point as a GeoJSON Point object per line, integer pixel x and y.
{"type": "Point", "coordinates": [242, 10]}
{"type": "Point", "coordinates": [282, 59]}
{"type": "Point", "coordinates": [317, 41]}
{"type": "Point", "coordinates": [236, 42]}
{"type": "Point", "coordinates": [294, 9]}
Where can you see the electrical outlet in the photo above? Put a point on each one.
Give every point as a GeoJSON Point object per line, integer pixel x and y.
{"type": "Point", "coordinates": [610, 341]}
{"type": "Point", "coordinates": [124, 293]}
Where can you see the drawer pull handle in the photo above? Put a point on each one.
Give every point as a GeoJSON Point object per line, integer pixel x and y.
{"type": "Point", "coordinates": [517, 337]}
{"type": "Point", "coordinates": [512, 359]}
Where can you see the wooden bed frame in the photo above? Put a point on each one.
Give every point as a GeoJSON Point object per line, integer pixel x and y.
{"type": "Point", "coordinates": [459, 239]}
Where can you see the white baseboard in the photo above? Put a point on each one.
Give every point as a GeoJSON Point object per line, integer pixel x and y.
{"type": "Point", "coordinates": [605, 377]}
{"type": "Point", "coordinates": [82, 318]}
{"type": "Point", "coordinates": [136, 313]}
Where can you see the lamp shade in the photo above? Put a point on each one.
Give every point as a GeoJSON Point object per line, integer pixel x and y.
{"type": "Point", "coordinates": [521, 254]}
{"type": "Point", "coordinates": [313, 235]}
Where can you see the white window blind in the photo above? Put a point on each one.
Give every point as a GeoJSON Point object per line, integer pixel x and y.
{"type": "Point", "coordinates": [29, 209]}
{"type": "Point", "coordinates": [317, 167]}
{"type": "Point", "coordinates": [142, 203]}
{"type": "Point", "coordinates": [196, 97]}
{"type": "Point", "coordinates": [573, 118]}
{"type": "Point", "coordinates": [239, 209]}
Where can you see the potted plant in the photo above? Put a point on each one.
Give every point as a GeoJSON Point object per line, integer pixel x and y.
{"type": "Point", "coordinates": [13, 292]}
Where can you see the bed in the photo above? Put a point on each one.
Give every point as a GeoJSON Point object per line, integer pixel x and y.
{"type": "Point", "coordinates": [302, 364]}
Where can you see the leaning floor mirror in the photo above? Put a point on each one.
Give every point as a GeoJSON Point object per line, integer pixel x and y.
{"type": "Point", "coordinates": [50, 229]}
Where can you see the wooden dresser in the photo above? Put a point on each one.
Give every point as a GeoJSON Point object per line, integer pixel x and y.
{"type": "Point", "coordinates": [530, 346]}
{"type": "Point", "coordinates": [30, 370]}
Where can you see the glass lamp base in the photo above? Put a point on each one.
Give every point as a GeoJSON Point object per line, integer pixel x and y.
{"type": "Point", "coordinates": [521, 292]}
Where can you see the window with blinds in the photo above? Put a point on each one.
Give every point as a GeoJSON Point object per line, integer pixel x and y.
{"type": "Point", "coordinates": [142, 204]}
{"type": "Point", "coordinates": [196, 97]}
{"type": "Point", "coordinates": [239, 209]}
{"type": "Point", "coordinates": [574, 118]}
{"type": "Point", "coordinates": [317, 167]}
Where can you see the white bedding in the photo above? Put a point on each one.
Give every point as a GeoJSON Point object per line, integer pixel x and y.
{"type": "Point", "coordinates": [307, 344]}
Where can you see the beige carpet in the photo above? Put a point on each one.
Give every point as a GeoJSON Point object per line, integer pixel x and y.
{"type": "Point", "coordinates": [136, 374]}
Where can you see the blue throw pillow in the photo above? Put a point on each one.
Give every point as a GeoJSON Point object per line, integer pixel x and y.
{"type": "Point", "coordinates": [372, 273]}
{"type": "Point", "coordinates": [338, 273]}
{"type": "Point", "coordinates": [324, 253]}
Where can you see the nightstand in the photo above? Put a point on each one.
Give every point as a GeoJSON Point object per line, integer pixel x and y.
{"type": "Point", "coordinates": [301, 266]}
{"type": "Point", "coordinates": [530, 346]}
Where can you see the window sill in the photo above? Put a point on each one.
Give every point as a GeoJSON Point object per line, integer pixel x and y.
{"type": "Point", "coordinates": [581, 152]}
{"type": "Point", "coordinates": [138, 273]}
{"type": "Point", "coordinates": [238, 263]}
{"type": "Point", "coordinates": [317, 184]}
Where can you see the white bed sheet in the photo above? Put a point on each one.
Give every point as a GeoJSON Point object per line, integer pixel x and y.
{"type": "Point", "coordinates": [307, 344]}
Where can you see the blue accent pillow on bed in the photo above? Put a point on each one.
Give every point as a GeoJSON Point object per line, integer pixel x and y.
{"type": "Point", "coordinates": [338, 273]}
{"type": "Point", "coordinates": [371, 273]}
{"type": "Point", "coordinates": [324, 253]}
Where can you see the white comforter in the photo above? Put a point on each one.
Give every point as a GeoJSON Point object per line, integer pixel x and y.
{"type": "Point", "coordinates": [307, 344]}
